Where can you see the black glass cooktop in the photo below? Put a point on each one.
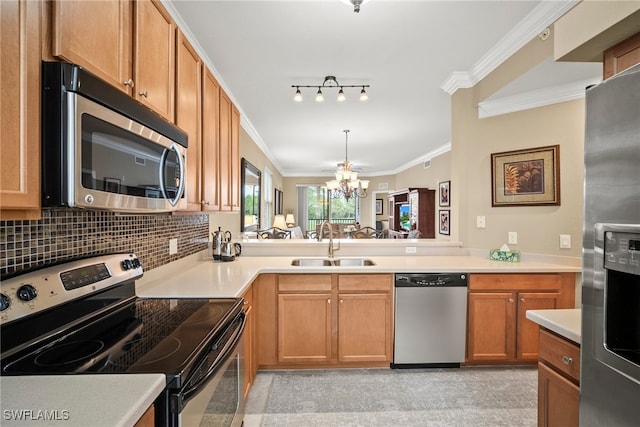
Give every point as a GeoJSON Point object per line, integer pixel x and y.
{"type": "Point", "coordinates": [142, 336]}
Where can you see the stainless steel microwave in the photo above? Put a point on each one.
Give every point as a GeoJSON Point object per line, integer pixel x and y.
{"type": "Point", "coordinates": [101, 149]}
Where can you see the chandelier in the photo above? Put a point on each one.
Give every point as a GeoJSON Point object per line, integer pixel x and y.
{"type": "Point", "coordinates": [330, 82]}
{"type": "Point", "coordinates": [347, 183]}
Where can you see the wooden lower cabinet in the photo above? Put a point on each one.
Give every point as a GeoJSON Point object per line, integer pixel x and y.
{"type": "Point", "coordinates": [558, 381]}
{"type": "Point", "coordinates": [497, 329]}
{"type": "Point", "coordinates": [249, 342]}
{"type": "Point", "coordinates": [325, 320]}
{"type": "Point", "coordinates": [147, 419]}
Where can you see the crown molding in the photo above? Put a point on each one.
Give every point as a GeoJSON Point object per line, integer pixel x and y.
{"type": "Point", "coordinates": [534, 99]}
{"type": "Point", "coordinates": [522, 33]}
{"type": "Point", "coordinates": [244, 122]}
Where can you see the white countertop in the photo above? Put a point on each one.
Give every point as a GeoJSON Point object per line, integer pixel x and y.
{"type": "Point", "coordinates": [564, 322]}
{"type": "Point", "coordinates": [200, 276]}
{"type": "Point", "coordinates": [78, 400]}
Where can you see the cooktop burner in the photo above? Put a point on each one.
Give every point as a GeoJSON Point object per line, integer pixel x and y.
{"type": "Point", "coordinates": [149, 335]}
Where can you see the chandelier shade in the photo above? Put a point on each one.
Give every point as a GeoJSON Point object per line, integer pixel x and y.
{"type": "Point", "coordinates": [330, 82]}
{"type": "Point", "coordinates": [347, 184]}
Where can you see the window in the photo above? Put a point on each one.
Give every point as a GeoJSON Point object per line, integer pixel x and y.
{"type": "Point", "coordinates": [268, 198]}
{"type": "Point", "coordinates": [313, 207]}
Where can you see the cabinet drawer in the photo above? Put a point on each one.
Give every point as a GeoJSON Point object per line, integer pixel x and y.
{"type": "Point", "coordinates": [516, 282]}
{"type": "Point", "coordinates": [560, 353]}
{"type": "Point", "coordinates": [365, 282]}
{"type": "Point", "coordinates": [304, 282]}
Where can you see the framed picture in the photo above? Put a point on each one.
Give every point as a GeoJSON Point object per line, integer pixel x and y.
{"type": "Point", "coordinates": [444, 221]}
{"type": "Point", "coordinates": [379, 206]}
{"type": "Point", "coordinates": [112, 185]}
{"type": "Point", "coordinates": [526, 177]}
{"type": "Point", "coordinates": [277, 202]}
{"type": "Point", "coordinates": [444, 193]}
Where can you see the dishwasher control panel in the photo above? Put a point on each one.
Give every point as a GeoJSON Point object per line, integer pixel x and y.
{"type": "Point", "coordinates": [430, 279]}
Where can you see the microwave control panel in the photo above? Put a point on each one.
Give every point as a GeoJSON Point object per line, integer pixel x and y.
{"type": "Point", "coordinates": [622, 252]}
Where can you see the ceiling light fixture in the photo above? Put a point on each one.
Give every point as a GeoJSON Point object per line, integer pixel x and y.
{"type": "Point", "coordinates": [347, 184]}
{"type": "Point", "coordinates": [330, 82]}
{"type": "Point", "coordinates": [356, 5]}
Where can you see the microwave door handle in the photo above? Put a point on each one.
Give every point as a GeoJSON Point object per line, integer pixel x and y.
{"type": "Point", "coordinates": [163, 161]}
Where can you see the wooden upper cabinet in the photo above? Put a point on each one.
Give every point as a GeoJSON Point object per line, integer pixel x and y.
{"type": "Point", "coordinates": [188, 114]}
{"type": "Point", "coordinates": [624, 55]}
{"type": "Point", "coordinates": [20, 106]}
{"type": "Point", "coordinates": [229, 154]}
{"type": "Point", "coordinates": [154, 61]}
{"type": "Point", "coordinates": [105, 49]}
{"type": "Point", "coordinates": [210, 142]}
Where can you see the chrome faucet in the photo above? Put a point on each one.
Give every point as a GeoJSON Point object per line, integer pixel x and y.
{"type": "Point", "coordinates": [330, 229]}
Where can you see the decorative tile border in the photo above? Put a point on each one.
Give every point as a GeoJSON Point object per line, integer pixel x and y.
{"type": "Point", "coordinates": [65, 234]}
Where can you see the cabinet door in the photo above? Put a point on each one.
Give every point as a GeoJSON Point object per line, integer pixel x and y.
{"type": "Point", "coordinates": [20, 106]}
{"type": "Point", "coordinates": [226, 166]}
{"type": "Point", "coordinates": [210, 142]}
{"type": "Point", "coordinates": [491, 333]}
{"type": "Point", "coordinates": [557, 399]}
{"type": "Point", "coordinates": [105, 49]}
{"type": "Point", "coordinates": [364, 327]}
{"type": "Point", "coordinates": [188, 113]}
{"type": "Point", "coordinates": [304, 328]}
{"type": "Point", "coordinates": [235, 159]}
{"type": "Point", "coordinates": [528, 331]}
{"type": "Point", "coordinates": [154, 62]}
{"type": "Point", "coordinates": [249, 346]}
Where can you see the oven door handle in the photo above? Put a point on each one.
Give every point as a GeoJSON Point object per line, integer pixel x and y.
{"type": "Point", "coordinates": [228, 349]}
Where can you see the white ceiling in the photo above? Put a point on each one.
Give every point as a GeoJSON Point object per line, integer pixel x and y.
{"type": "Point", "coordinates": [406, 50]}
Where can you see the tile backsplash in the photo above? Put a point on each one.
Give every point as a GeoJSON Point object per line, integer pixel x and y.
{"type": "Point", "coordinates": [64, 234]}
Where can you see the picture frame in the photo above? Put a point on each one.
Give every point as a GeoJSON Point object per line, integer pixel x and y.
{"type": "Point", "coordinates": [444, 222]}
{"type": "Point", "coordinates": [379, 207]}
{"type": "Point", "coordinates": [529, 177]}
{"type": "Point", "coordinates": [444, 193]}
{"type": "Point", "coordinates": [277, 202]}
{"type": "Point", "coordinates": [112, 185]}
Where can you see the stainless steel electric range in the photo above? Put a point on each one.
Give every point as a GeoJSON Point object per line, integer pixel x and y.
{"type": "Point", "coordinates": [83, 317]}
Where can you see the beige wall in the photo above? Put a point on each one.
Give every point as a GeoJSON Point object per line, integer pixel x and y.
{"type": "Point", "coordinates": [473, 141]}
{"type": "Point", "coordinates": [250, 151]}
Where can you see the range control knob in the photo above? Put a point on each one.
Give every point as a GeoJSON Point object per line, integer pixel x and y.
{"type": "Point", "coordinates": [26, 293]}
{"type": "Point", "coordinates": [127, 264]}
{"type": "Point", "coordinates": [136, 263]}
{"type": "Point", "coordinates": [5, 302]}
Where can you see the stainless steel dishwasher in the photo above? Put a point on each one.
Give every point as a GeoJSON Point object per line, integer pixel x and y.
{"type": "Point", "coordinates": [430, 320]}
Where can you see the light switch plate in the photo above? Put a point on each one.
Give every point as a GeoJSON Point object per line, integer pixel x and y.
{"type": "Point", "coordinates": [173, 246]}
{"type": "Point", "coordinates": [565, 241]}
{"type": "Point", "coordinates": [513, 238]}
{"type": "Point", "coordinates": [410, 250]}
{"type": "Point", "coordinates": [481, 221]}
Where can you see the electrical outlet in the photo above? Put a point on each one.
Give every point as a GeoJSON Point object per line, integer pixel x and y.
{"type": "Point", "coordinates": [173, 246]}
{"type": "Point", "coordinates": [513, 238]}
{"type": "Point", "coordinates": [481, 221]}
{"type": "Point", "coordinates": [410, 250]}
{"type": "Point", "coordinates": [565, 241]}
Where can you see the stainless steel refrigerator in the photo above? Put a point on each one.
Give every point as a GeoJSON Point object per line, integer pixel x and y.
{"type": "Point", "coordinates": [610, 350]}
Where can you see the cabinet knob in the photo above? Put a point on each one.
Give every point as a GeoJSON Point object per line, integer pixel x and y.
{"type": "Point", "coordinates": [567, 360]}
{"type": "Point", "coordinates": [521, 299]}
{"type": "Point", "coordinates": [128, 83]}
{"type": "Point", "coordinates": [204, 202]}
{"type": "Point", "coordinates": [144, 93]}
{"type": "Point", "coordinates": [328, 300]}
{"type": "Point", "coordinates": [341, 301]}
{"type": "Point", "coordinates": [510, 299]}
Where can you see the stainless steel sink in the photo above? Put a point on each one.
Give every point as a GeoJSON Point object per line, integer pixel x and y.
{"type": "Point", "coordinates": [324, 262]}
{"type": "Point", "coordinates": [311, 262]}
{"type": "Point", "coordinates": [352, 262]}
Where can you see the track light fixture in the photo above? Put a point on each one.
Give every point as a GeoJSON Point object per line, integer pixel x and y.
{"type": "Point", "coordinates": [330, 82]}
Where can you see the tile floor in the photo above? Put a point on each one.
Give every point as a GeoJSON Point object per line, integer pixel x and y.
{"type": "Point", "coordinates": [471, 396]}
